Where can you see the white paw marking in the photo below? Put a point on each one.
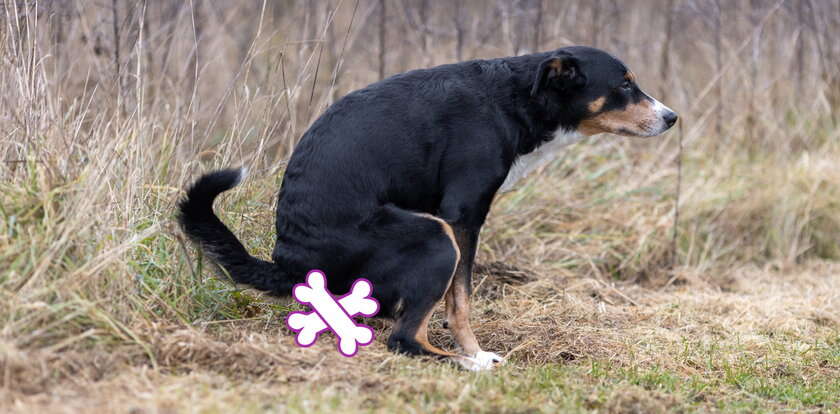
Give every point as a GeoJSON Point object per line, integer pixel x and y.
{"type": "Point", "coordinates": [481, 361]}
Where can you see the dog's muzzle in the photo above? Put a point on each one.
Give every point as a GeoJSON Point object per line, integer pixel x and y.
{"type": "Point", "coordinates": [666, 118]}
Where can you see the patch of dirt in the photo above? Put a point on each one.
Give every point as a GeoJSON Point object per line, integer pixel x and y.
{"type": "Point", "coordinates": [31, 372]}
{"type": "Point", "coordinates": [187, 349]}
{"type": "Point", "coordinates": [253, 355]}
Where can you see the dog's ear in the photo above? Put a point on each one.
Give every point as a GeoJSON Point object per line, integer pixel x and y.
{"type": "Point", "coordinates": [561, 71]}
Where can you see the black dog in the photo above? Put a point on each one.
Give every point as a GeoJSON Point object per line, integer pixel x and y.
{"type": "Point", "coordinates": [394, 181]}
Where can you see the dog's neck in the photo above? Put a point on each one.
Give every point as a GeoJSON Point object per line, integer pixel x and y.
{"type": "Point", "coordinates": [541, 156]}
{"type": "Point", "coordinates": [542, 137]}
{"type": "Point", "coordinates": [541, 132]}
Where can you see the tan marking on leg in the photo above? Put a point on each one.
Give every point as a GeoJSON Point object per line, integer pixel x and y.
{"type": "Point", "coordinates": [458, 316]}
{"type": "Point", "coordinates": [422, 336]}
{"type": "Point", "coordinates": [458, 308]}
{"type": "Point", "coordinates": [449, 233]}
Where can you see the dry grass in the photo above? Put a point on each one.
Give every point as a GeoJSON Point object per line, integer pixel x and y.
{"type": "Point", "coordinates": [104, 307]}
{"type": "Point", "coordinates": [572, 344]}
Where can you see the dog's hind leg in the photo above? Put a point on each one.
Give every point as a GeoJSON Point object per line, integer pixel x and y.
{"type": "Point", "coordinates": [416, 257]}
{"type": "Point", "coordinates": [427, 260]}
{"type": "Point", "coordinates": [410, 335]}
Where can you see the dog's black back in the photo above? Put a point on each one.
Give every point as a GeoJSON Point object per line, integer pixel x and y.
{"type": "Point", "coordinates": [405, 142]}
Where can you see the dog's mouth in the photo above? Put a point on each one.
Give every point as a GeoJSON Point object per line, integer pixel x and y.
{"type": "Point", "coordinates": [647, 118]}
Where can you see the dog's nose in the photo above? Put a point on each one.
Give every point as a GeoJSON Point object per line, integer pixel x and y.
{"type": "Point", "coordinates": [670, 118]}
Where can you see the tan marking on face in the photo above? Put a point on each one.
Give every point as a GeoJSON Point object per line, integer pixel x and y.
{"type": "Point", "coordinates": [635, 119]}
{"type": "Point", "coordinates": [597, 104]}
{"type": "Point", "coordinates": [556, 64]}
{"type": "Point", "coordinates": [630, 76]}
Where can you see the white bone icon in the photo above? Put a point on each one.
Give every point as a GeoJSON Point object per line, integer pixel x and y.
{"type": "Point", "coordinates": [333, 313]}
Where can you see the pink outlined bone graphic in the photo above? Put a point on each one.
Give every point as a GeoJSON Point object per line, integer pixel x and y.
{"type": "Point", "coordinates": [334, 313]}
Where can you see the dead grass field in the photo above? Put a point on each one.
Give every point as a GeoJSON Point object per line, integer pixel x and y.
{"type": "Point", "coordinates": [762, 340]}
{"type": "Point", "coordinates": [745, 338]}
{"type": "Point", "coordinates": [582, 286]}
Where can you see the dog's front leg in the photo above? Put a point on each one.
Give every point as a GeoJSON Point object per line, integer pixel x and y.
{"type": "Point", "coordinates": [458, 304]}
{"type": "Point", "coordinates": [458, 295]}
{"type": "Point", "coordinates": [464, 206]}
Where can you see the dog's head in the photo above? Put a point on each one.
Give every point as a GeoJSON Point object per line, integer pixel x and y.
{"type": "Point", "coordinates": [589, 91]}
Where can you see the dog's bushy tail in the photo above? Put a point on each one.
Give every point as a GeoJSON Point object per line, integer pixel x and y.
{"type": "Point", "coordinates": [202, 226]}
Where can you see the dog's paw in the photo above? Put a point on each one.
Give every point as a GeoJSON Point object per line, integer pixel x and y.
{"type": "Point", "coordinates": [481, 361]}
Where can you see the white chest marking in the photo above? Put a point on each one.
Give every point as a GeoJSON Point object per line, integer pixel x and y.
{"type": "Point", "coordinates": [538, 158]}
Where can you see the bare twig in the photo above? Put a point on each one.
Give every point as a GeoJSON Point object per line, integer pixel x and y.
{"type": "Point", "coordinates": [382, 33]}
{"type": "Point", "coordinates": [115, 24]}
{"type": "Point", "coordinates": [678, 193]}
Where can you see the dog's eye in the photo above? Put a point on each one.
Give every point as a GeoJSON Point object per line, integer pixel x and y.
{"type": "Point", "coordinates": [627, 85]}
